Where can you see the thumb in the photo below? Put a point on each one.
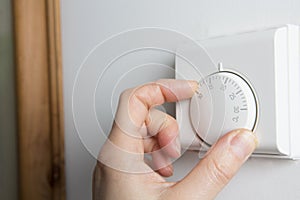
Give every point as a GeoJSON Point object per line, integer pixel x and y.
{"type": "Point", "coordinates": [216, 169]}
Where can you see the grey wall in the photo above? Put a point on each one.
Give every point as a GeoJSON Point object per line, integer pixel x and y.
{"type": "Point", "coordinates": [8, 156]}
{"type": "Point", "coordinates": [86, 23]}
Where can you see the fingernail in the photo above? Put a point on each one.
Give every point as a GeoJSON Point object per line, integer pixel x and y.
{"type": "Point", "coordinates": [194, 85]}
{"type": "Point", "coordinates": [177, 146]}
{"type": "Point", "coordinates": [243, 144]}
{"type": "Point", "coordinates": [169, 170]}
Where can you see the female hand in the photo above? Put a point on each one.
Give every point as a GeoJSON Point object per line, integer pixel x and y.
{"type": "Point", "coordinates": [122, 172]}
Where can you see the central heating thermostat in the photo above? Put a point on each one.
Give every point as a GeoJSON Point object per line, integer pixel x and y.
{"type": "Point", "coordinates": [223, 92]}
{"type": "Point", "coordinates": [254, 84]}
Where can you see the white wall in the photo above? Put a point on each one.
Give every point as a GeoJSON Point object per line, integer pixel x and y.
{"type": "Point", "coordinates": [86, 23]}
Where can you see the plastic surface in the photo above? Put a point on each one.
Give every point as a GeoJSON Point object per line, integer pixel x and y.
{"type": "Point", "coordinates": [224, 102]}
{"type": "Point", "coordinates": [269, 61]}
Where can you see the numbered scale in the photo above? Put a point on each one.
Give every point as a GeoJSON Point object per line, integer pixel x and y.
{"type": "Point", "coordinates": [224, 101]}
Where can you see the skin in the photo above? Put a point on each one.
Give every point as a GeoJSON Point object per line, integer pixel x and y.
{"type": "Point", "coordinates": [122, 172]}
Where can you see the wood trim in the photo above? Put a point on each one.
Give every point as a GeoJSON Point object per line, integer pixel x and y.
{"type": "Point", "coordinates": [39, 99]}
{"type": "Point", "coordinates": [56, 93]}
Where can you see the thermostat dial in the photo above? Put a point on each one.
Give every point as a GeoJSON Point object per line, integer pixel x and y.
{"type": "Point", "coordinates": [225, 101]}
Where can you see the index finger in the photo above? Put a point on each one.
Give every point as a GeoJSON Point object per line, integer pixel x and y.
{"type": "Point", "coordinates": [135, 103]}
{"type": "Point", "coordinates": [124, 149]}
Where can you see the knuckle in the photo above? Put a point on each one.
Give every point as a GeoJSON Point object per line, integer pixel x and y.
{"type": "Point", "coordinates": [173, 122]}
{"type": "Point", "coordinates": [125, 93]}
{"type": "Point", "coordinates": [218, 173]}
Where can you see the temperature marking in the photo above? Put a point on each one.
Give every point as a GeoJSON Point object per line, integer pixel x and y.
{"type": "Point", "coordinates": [236, 109]}
{"type": "Point", "coordinates": [200, 95]}
{"type": "Point", "coordinates": [223, 88]}
{"type": "Point", "coordinates": [235, 119]}
{"type": "Point", "coordinates": [232, 96]}
{"type": "Point", "coordinates": [226, 80]}
{"type": "Point", "coordinates": [238, 92]}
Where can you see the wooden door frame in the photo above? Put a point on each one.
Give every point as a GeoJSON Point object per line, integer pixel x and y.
{"type": "Point", "coordinates": [39, 99]}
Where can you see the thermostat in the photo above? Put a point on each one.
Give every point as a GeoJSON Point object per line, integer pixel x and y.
{"type": "Point", "coordinates": [227, 92]}
{"type": "Point", "coordinates": [255, 84]}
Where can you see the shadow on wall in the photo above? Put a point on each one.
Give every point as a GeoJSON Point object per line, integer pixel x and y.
{"type": "Point", "coordinates": [8, 146]}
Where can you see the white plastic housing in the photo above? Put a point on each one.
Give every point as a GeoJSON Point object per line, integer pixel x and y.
{"type": "Point", "coordinates": [269, 59]}
{"type": "Point", "coordinates": [224, 102]}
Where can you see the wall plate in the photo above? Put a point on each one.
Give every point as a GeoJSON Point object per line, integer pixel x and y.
{"type": "Point", "coordinates": [264, 70]}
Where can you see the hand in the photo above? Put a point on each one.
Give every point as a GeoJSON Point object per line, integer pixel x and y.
{"type": "Point", "coordinates": [122, 172]}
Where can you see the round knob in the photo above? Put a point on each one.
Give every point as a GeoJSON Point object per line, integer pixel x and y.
{"type": "Point", "coordinates": [225, 101]}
